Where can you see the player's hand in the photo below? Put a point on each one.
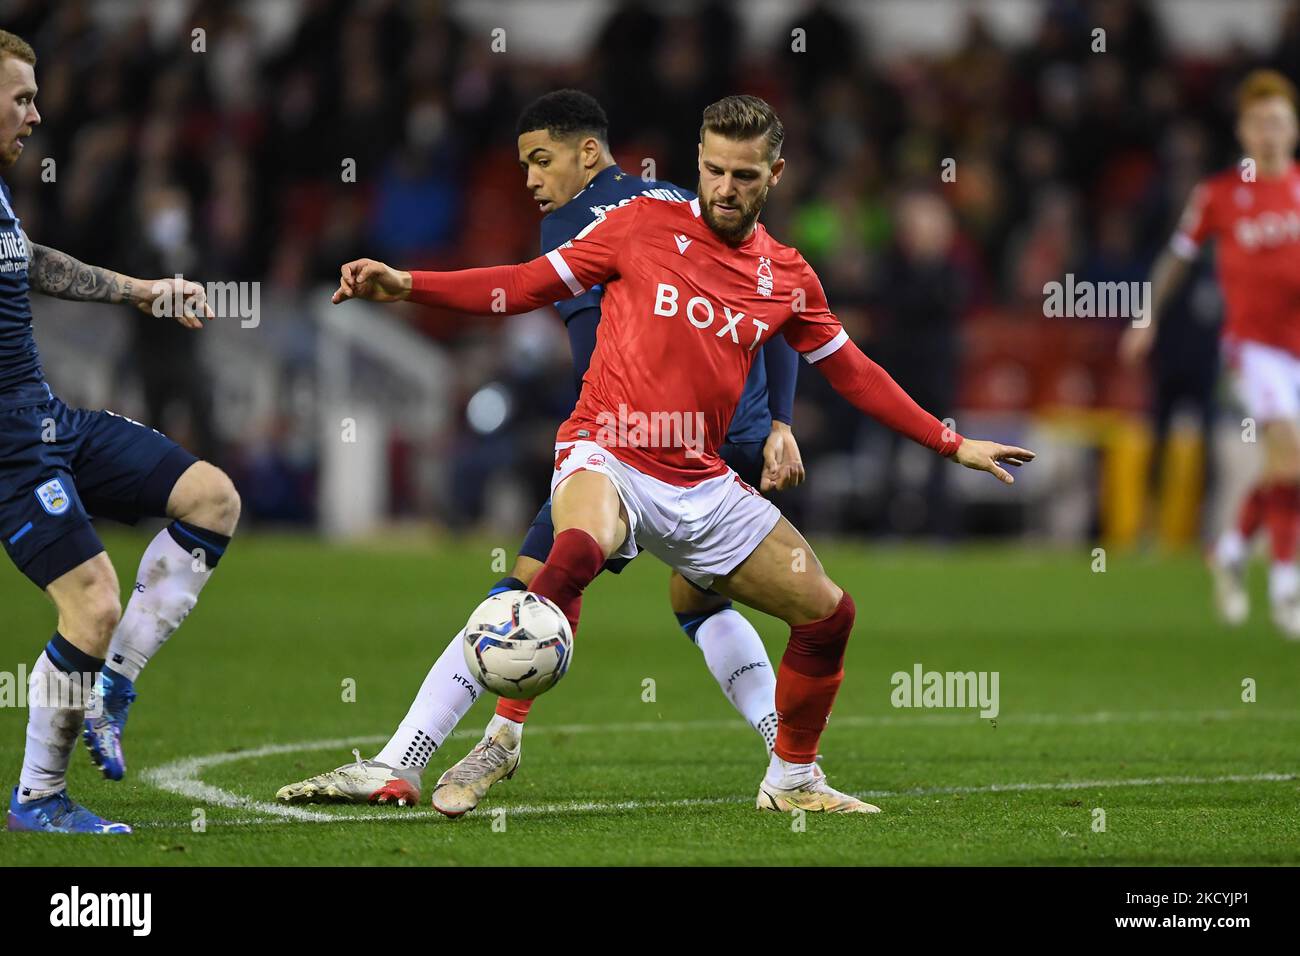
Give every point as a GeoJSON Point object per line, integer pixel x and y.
{"type": "Point", "coordinates": [782, 464]}
{"type": "Point", "coordinates": [368, 279]}
{"type": "Point", "coordinates": [178, 298]}
{"type": "Point", "coordinates": [987, 456]}
{"type": "Point", "coordinates": [1136, 343]}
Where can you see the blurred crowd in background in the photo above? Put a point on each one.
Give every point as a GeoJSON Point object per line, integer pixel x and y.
{"type": "Point", "coordinates": [227, 166]}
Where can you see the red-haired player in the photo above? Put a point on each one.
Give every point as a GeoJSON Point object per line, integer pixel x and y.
{"type": "Point", "coordinates": [1253, 212]}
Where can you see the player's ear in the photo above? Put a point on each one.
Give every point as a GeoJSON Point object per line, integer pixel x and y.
{"type": "Point", "coordinates": [699, 157]}
{"type": "Point", "coordinates": [590, 152]}
{"type": "Point", "coordinates": [777, 168]}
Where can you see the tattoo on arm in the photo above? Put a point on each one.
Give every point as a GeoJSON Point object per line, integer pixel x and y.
{"type": "Point", "coordinates": [58, 274]}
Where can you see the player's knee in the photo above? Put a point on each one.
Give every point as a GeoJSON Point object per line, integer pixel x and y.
{"type": "Point", "coordinates": [822, 601]}
{"type": "Point", "coordinates": [105, 614]}
{"type": "Point", "coordinates": [92, 614]}
{"type": "Point", "coordinates": [1288, 467]}
{"type": "Point", "coordinates": [208, 499]}
{"type": "Point", "coordinates": [1283, 453]}
{"type": "Point", "coordinates": [224, 499]}
{"type": "Point", "coordinates": [1283, 469]}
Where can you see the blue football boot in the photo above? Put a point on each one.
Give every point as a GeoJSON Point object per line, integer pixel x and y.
{"type": "Point", "coordinates": [57, 814]}
{"type": "Point", "coordinates": [103, 732]}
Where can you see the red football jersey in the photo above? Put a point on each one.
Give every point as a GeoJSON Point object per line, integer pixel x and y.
{"type": "Point", "coordinates": [683, 317]}
{"type": "Point", "coordinates": [1257, 227]}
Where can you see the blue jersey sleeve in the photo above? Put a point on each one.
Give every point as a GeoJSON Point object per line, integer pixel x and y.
{"type": "Point", "coordinates": [556, 231]}
{"type": "Point", "coordinates": [581, 326]}
{"type": "Point", "coordinates": [782, 364]}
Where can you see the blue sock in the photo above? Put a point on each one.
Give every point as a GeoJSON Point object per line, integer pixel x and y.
{"type": "Point", "coordinates": [192, 538]}
{"type": "Point", "coordinates": [507, 584]}
{"type": "Point", "coordinates": [70, 659]}
{"type": "Point", "coordinates": [691, 621]}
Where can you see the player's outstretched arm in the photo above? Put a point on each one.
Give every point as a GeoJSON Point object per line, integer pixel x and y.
{"type": "Point", "coordinates": [1167, 275]}
{"type": "Point", "coordinates": [873, 392]}
{"type": "Point", "coordinates": [60, 275]}
{"type": "Point", "coordinates": [503, 290]}
{"type": "Point", "coordinates": [589, 259]}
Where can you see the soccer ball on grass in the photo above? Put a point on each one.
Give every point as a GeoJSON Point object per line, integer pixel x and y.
{"type": "Point", "coordinates": [518, 644]}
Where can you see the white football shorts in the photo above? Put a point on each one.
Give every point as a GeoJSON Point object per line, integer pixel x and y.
{"type": "Point", "coordinates": [703, 531]}
{"type": "Point", "coordinates": [1266, 379]}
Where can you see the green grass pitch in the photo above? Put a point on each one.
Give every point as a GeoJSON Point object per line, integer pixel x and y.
{"type": "Point", "coordinates": [1117, 691]}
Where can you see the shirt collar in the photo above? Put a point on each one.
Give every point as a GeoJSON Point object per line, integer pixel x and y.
{"type": "Point", "coordinates": [606, 175]}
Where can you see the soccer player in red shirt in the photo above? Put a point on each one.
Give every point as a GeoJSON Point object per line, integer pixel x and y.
{"type": "Point", "coordinates": [1253, 211]}
{"type": "Point", "coordinates": [692, 290]}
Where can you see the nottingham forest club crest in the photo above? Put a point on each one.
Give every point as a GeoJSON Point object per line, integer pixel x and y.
{"type": "Point", "coordinates": [764, 275]}
{"type": "Point", "coordinates": [53, 497]}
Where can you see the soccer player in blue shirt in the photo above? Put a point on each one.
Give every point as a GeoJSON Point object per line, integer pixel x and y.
{"type": "Point", "coordinates": [564, 150]}
{"type": "Point", "coordinates": [58, 467]}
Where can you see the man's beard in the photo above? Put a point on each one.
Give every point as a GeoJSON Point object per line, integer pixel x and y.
{"type": "Point", "coordinates": [736, 231]}
{"type": "Point", "coordinates": [11, 151]}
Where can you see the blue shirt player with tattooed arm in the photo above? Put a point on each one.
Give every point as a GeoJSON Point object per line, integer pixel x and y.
{"type": "Point", "coordinates": [59, 466]}
{"type": "Point", "coordinates": [563, 145]}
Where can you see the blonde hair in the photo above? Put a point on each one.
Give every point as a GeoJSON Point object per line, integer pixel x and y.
{"type": "Point", "coordinates": [11, 44]}
{"type": "Point", "coordinates": [1262, 85]}
{"type": "Point", "coordinates": [745, 117]}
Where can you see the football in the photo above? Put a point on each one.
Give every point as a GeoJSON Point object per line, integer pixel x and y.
{"type": "Point", "coordinates": [518, 644]}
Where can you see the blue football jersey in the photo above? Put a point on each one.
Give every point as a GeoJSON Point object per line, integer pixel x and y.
{"type": "Point", "coordinates": [22, 382]}
{"type": "Point", "coordinates": [613, 187]}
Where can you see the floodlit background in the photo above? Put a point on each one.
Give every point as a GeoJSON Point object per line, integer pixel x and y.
{"type": "Point", "coordinates": [220, 140]}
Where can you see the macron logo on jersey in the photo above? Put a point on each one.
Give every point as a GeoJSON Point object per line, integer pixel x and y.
{"type": "Point", "coordinates": [682, 243]}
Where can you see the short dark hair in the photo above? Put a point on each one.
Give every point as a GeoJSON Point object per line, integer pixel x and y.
{"type": "Point", "coordinates": [743, 117]}
{"type": "Point", "coordinates": [565, 114]}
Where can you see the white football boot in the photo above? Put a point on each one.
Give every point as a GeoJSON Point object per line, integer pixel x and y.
{"type": "Point", "coordinates": [466, 782]}
{"type": "Point", "coordinates": [365, 781]}
{"type": "Point", "coordinates": [1286, 616]}
{"type": "Point", "coordinates": [813, 796]}
{"type": "Point", "coordinates": [1231, 598]}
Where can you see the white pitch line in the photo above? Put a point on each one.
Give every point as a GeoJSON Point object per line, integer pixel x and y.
{"type": "Point", "coordinates": [183, 777]}
{"type": "Point", "coordinates": [597, 806]}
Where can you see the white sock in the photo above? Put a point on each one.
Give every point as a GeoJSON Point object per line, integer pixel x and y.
{"type": "Point", "coordinates": [56, 703]}
{"type": "Point", "coordinates": [738, 661]}
{"type": "Point", "coordinates": [166, 589]}
{"type": "Point", "coordinates": [787, 776]}
{"type": "Point", "coordinates": [1283, 580]}
{"type": "Point", "coordinates": [1231, 547]}
{"type": "Point", "coordinates": [445, 697]}
{"type": "Point", "coordinates": [497, 722]}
